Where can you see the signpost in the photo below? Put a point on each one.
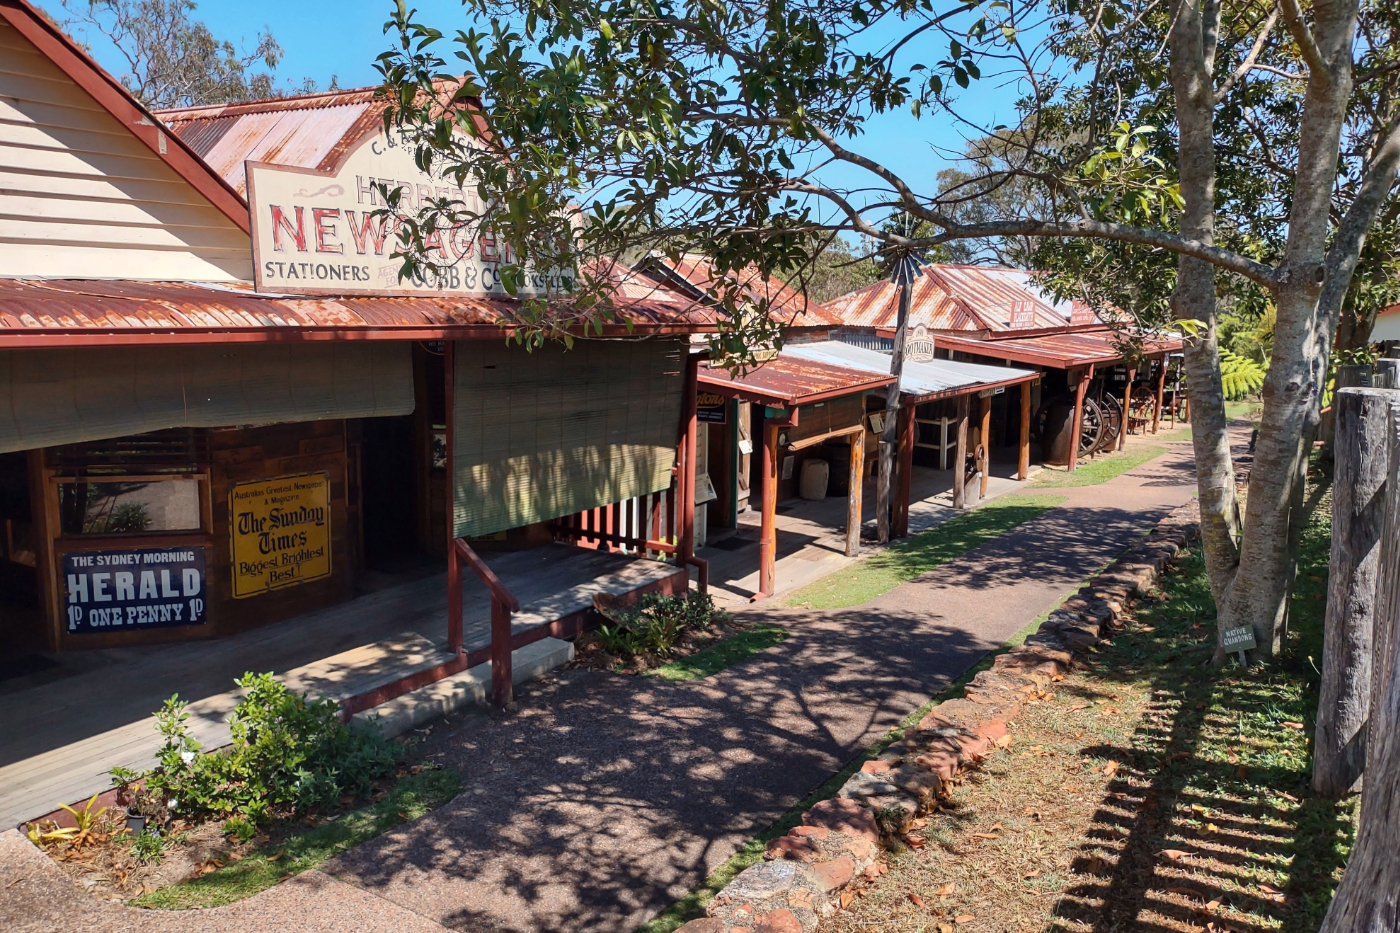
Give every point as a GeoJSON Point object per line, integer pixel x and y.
{"type": "Point", "coordinates": [1239, 639]}
{"type": "Point", "coordinates": [918, 346]}
{"type": "Point", "coordinates": [281, 532]}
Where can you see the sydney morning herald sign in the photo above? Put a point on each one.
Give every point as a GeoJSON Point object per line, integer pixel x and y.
{"type": "Point", "coordinates": [316, 233]}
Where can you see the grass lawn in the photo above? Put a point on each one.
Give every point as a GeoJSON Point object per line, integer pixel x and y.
{"type": "Point", "coordinates": [307, 847]}
{"type": "Point", "coordinates": [721, 654]}
{"type": "Point", "coordinates": [907, 559]}
{"type": "Point", "coordinates": [1149, 794]}
{"type": "Point", "coordinates": [1102, 469]}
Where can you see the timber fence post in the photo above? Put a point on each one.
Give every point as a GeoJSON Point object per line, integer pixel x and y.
{"type": "Point", "coordinates": [1368, 899]}
{"type": "Point", "coordinates": [1358, 513]}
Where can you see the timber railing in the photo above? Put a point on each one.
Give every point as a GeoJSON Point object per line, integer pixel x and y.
{"type": "Point", "coordinates": [642, 525]}
{"type": "Point", "coordinates": [503, 603]}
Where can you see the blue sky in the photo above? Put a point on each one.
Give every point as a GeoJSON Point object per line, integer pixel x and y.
{"type": "Point", "coordinates": [321, 38]}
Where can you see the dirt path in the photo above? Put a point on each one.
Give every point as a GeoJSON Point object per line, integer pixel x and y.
{"type": "Point", "coordinates": [605, 798]}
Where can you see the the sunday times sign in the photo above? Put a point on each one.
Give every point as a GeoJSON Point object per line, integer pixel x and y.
{"type": "Point", "coordinates": [316, 233]}
{"type": "Point", "coordinates": [118, 591]}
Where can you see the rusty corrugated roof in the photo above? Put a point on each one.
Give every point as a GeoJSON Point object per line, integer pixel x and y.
{"type": "Point", "coordinates": [953, 298]}
{"type": "Point", "coordinates": [75, 312]}
{"type": "Point", "coordinates": [789, 380]}
{"type": "Point", "coordinates": [1059, 351]}
{"type": "Point", "coordinates": [312, 131]}
{"type": "Point", "coordinates": [696, 274]}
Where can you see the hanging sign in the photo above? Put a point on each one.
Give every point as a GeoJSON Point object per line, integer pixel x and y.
{"type": "Point", "coordinates": [137, 588]}
{"type": "Point", "coordinates": [281, 532]}
{"type": "Point", "coordinates": [316, 233]}
{"type": "Point", "coordinates": [918, 345]}
{"type": "Point", "coordinates": [711, 408]}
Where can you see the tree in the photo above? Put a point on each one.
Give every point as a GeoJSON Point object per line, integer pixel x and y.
{"type": "Point", "coordinates": [173, 61]}
{"type": "Point", "coordinates": [708, 124]}
{"type": "Point", "coordinates": [835, 270]}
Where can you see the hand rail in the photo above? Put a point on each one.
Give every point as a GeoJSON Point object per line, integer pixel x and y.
{"type": "Point", "coordinates": [487, 575]}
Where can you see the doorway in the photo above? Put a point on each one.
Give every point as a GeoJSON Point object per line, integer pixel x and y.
{"type": "Point", "coordinates": [22, 629]}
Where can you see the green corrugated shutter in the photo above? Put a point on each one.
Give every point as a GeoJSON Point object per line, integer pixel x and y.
{"type": "Point", "coordinates": [50, 397]}
{"type": "Point", "coordinates": [538, 435]}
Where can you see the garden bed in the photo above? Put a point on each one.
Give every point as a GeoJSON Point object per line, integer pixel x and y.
{"type": "Point", "coordinates": [294, 788]}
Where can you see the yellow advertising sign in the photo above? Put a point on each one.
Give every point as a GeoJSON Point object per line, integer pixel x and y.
{"type": "Point", "coordinates": [281, 532]}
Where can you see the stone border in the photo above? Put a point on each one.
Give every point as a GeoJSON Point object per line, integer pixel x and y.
{"type": "Point", "coordinates": [840, 839]}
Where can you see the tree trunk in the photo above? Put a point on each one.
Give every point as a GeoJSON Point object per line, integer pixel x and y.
{"type": "Point", "coordinates": [1257, 595]}
{"type": "Point", "coordinates": [1194, 295]}
{"type": "Point", "coordinates": [1358, 512]}
{"type": "Point", "coordinates": [1368, 899]}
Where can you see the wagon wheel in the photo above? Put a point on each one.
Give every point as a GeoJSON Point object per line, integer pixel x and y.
{"type": "Point", "coordinates": [1091, 429]}
{"type": "Point", "coordinates": [1113, 421]}
{"type": "Point", "coordinates": [1144, 405]}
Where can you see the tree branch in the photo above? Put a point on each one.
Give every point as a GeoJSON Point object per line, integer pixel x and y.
{"type": "Point", "coordinates": [1307, 45]}
{"type": "Point", "coordinates": [1250, 59]}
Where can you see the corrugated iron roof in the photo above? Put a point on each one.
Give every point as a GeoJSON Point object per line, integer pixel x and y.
{"type": "Point", "coordinates": [790, 380]}
{"type": "Point", "coordinates": [1060, 351]}
{"type": "Point", "coordinates": [949, 297]}
{"type": "Point", "coordinates": [696, 274]}
{"type": "Point", "coordinates": [931, 377]}
{"type": "Point", "coordinates": [74, 312]}
{"type": "Point", "coordinates": [312, 131]}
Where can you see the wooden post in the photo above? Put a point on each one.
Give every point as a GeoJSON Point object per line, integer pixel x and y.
{"type": "Point", "coordinates": [853, 494]}
{"type": "Point", "coordinates": [768, 530]}
{"type": "Point", "coordinates": [1127, 407]}
{"type": "Point", "coordinates": [904, 473]}
{"type": "Point", "coordinates": [689, 403]}
{"type": "Point", "coordinates": [889, 436]}
{"type": "Point", "coordinates": [1366, 899]}
{"type": "Point", "coordinates": [984, 442]}
{"type": "Point", "coordinates": [1161, 394]}
{"type": "Point", "coordinates": [502, 689]}
{"type": "Point", "coordinates": [960, 456]}
{"type": "Point", "coordinates": [1023, 458]}
{"type": "Point", "coordinates": [454, 568]}
{"type": "Point", "coordinates": [1077, 423]}
{"type": "Point", "coordinates": [1358, 516]}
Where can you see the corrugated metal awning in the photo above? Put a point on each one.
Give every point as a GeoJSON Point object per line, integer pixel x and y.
{"type": "Point", "coordinates": [789, 381]}
{"type": "Point", "coordinates": [924, 379]}
{"type": "Point", "coordinates": [1057, 351]}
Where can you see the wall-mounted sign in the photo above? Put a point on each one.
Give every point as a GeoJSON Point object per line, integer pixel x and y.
{"type": "Point", "coordinates": [121, 591]}
{"type": "Point", "coordinates": [1083, 314]}
{"type": "Point", "coordinates": [281, 532]}
{"type": "Point", "coordinates": [711, 408]}
{"type": "Point", "coordinates": [918, 345]}
{"type": "Point", "coordinates": [1022, 314]}
{"type": "Point", "coordinates": [704, 489]}
{"type": "Point", "coordinates": [316, 233]}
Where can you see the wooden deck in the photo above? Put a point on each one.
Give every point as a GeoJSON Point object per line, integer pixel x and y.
{"type": "Point", "coordinates": [60, 737]}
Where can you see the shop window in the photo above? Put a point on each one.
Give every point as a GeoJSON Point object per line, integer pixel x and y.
{"type": "Point", "coordinates": [130, 505]}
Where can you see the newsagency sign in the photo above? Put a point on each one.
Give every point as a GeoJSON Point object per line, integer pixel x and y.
{"type": "Point", "coordinates": [118, 591]}
{"type": "Point", "coordinates": [316, 233]}
{"type": "Point", "coordinates": [281, 532]}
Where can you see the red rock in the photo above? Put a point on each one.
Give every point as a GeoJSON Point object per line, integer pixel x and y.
{"type": "Point", "coordinates": [843, 815]}
{"type": "Point", "coordinates": [876, 766]}
{"type": "Point", "coordinates": [811, 832]}
{"type": "Point", "coordinates": [992, 729]}
{"type": "Point", "coordinates": [975, 747]}
{"type": "Point", "coordinates": [781, 920]}
{"type": "Point", "coordinates": [943, 764]}
{"type": "Point", "coordinates": [836, 873]}
{"type": "Point", "coordinates": [795, 848]}
{"type": "Point", "coordinates": [861, 849]}
{"type": "Point", "coordinates": [703, 925]}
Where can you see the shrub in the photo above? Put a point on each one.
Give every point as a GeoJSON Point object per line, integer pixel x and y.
{"type": "Point", "coordinates": [290, 755]}
{"type": "Point", "coordinates": [657, 624]}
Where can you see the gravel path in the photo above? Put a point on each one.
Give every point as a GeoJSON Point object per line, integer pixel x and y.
{"type": "Point", "coordinates": [604, 798]}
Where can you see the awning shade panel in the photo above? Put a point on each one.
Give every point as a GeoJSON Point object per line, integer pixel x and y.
{"type": "Point", "coordinates": [546, 433]}
{"type": "Point", "coordinates": [66, 396]}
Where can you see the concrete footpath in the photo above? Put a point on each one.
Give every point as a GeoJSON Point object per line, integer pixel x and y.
{"type": "Point", "coordinates": [604, 798]}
